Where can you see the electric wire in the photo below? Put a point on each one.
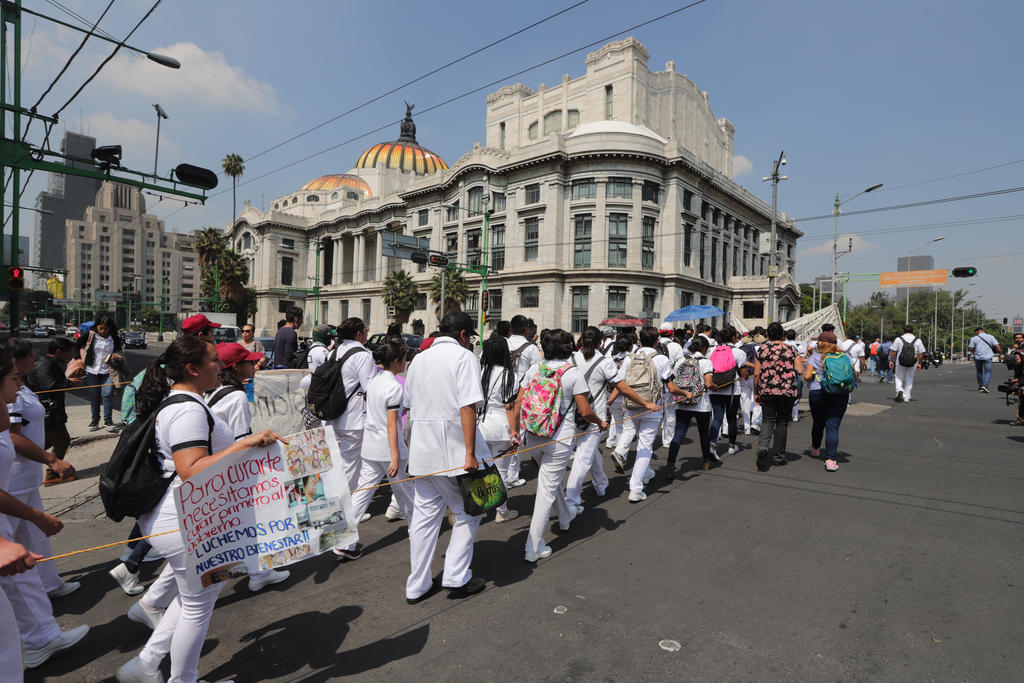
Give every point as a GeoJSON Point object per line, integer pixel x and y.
{"type": "Point", "coordinates": [74, 15]}
{"type": "Point", "coordinates": [928, 202]}
{"type": "Point", "coordinates": [955, 175]}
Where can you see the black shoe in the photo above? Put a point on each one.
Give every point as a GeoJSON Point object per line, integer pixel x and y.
{"type": "Point", "coordinates": [756, 431]}
{"type": "Point", "coordinates": [763, 462]}
{"type": "Point", "coordinates": [348, 555]}
{"type": "Point", "coordinates": [985, 389]}
{"type": "Point", "coordinates": [472, 587]}
{"type": "Point", "coordinates": [434, 587]}
{"type": "Point", "coordinates": [779, 460]}
{"type": "Point", "coordinates": [94, 426]}
{"type": "Point", "coordinates": [670, 471]}
{"type": "Point", "coordinates": [899, 397]}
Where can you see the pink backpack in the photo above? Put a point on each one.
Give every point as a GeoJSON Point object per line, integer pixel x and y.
{"type": "Point", "coordinates": [723, 364]}
{"type": "Point", "coordinates": [539, 414]}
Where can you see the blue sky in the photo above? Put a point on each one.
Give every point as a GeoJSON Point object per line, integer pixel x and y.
{"type": "Point", "coordinates": [855, 92]}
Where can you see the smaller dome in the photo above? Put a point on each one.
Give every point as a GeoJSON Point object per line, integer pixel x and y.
{"type": "Point", "coordinates": [325, 183]}
{"type": "Point", "coordinates": [620, 127]}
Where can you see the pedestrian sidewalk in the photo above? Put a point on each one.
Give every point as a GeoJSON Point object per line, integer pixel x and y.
{"type": "Point", "coordinates": [79, 417]}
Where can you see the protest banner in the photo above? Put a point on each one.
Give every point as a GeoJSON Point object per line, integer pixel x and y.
{"type": "Point", "coordinates": [278, 400]}
{"type": "Point", "coordinates": [265, 508]}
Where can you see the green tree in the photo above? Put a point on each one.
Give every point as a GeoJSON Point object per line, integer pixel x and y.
{"type": "Point", "coordinates": [400, 293]}
{"type": "Point", "coordinates": [234, 166]}
{"type": "Point", "coordinates": [807, 299]}
{"type": "Point", "coordinates": [234, 275]}
{"type": "Point", "coordinates": [456, 291]}
{"type": "Point", "coordinates": [148, 316]}
{"type": "Point", "coordinates": [210, 245]}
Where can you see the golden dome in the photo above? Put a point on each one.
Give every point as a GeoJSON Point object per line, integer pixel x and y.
{"type": "Point", "coordinates": [404, 154]}
{"type": "Point", "coordinates": [326, 183]}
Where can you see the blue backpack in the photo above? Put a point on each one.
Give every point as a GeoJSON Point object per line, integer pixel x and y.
{"type": "Point", "coordinates": [837, 374]}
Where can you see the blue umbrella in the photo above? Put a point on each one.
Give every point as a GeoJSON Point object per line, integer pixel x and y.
{"type": "Point", "coordinates": [694, 312]}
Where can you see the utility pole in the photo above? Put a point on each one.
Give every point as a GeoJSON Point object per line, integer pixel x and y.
{"type": "Point", "coordinates": [484, 268]}
{"type": "Point", "coordinates": [11, 13]}
{"type": "Point", "coordinates": [773, 268]}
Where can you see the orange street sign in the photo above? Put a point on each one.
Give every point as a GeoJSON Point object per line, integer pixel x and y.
{"type": "Point", "coordinates": [913, 278]}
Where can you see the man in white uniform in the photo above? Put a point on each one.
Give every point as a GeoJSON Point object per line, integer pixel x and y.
{"type": "Point", "coordinates": [442, 393]}
{"type": "Point", "coordinates": [905, 373]}
{"type": "Point", "coordinates": [674, 351]}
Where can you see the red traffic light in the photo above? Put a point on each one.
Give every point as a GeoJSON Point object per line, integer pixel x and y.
{"type": "Point", "coordinates": [483, 301]}
{"type": "Point", "coordinates": [438, 260]}
{"type": "Point", "coordinates": [15, 278]}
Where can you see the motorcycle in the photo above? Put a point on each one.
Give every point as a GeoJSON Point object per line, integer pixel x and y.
{"type": "Point", "coordinates": [930, 359]}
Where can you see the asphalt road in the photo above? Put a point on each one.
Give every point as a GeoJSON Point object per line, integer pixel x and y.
{"type": "Point", "coordinates": [901, 566]}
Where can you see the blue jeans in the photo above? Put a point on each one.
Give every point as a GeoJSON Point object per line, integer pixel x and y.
{"type": "Point", "coordinates": [984, 370]}
{"type": "Point", "coordinates": [827, 411]}
{"type": "Point", "coordinates": [683, 418]}
{"type": "Point", "coordinates": [723, 408]}
{"type": "Point", "coordinates": [104, 392]}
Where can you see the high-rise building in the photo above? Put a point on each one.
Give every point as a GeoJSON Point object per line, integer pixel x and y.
{"type": "Point", "coordinates": [914, 262]}
{"type": "Point", "coordinates": [65, 198]}
{"type": "Point", "coordinates": [115, 246]}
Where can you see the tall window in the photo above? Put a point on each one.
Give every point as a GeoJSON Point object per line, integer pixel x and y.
{"type": "Point", "coordinates": [617, 240]}
{"type": "Point", "coordinates": [451, 244]}
{"type": "Point", "coordinates": [344, 309]}
{"type": "Point", "coordinates": [533, 130]}
{"type": "Point", "coordinates": [685, 299]}
{"type": "Point", "coordinates": [714, 258]}
{"type": "Point", "coordinates": [327, 249]}
{"type": "Point", "coordinates": [580, 308]}
{"type": "Point", "coordinates": [608, 110]}
{"type": "Point", "coordinates": [687, 245]}
{"type": "Point", "coordinates": [574, 119]}
{"type": "Point", "coordinates": [529, 297]}
{"type": "Point", "coordinates": [498, 201]}
{"type": "Point", "coordinates": [533, 193]}
{"type": "Point", "coordinates": [746, 257]}
{"type": "Point", "coordinates": [497, 247]}
{"type": "Point", "coordinates": [475, 200]}
{"type": "Point", "coordinates": [493, 306]}
{"type": "Point", "coordinates": [532, 232]}
{"type": "Point", "coordinates": [366, 311]}
{"type": "Point", "coordinates": [648, 302]}
{"type": "Point", "coordinates": [422, 217]}
{"type": "Point", "coordinates": [552, 121]}
{"type": "Point", "coordinates": [725, 259]}
{"type": "Point", "coordinates": [473, 247]}
{"type": "Point", "coordinates": [621, 188]}
{"type": "Point", "coordinates": [452, 212]}
{"type": "Point", "coordinates": [616, 301]}
{"type": "Point", "coordinates": [286, 270]}
{"type": "Point", "coordinates": [651, 191]}
{"type": "Point", "coordinates": [584, 189]}
{"type": "Point", "coordinates": [582, 230]}
{"type": "Point", "coordinates": [735, 261]}
{"type": "Point", "coordinates": [421, 301]}
{"type": "Point", "coordinates": [687, 200]}
{"type": "Point", "coordinates": [501, 135]}
{"type": "Point", "coordinates": [647, 244]}
{"type": "Point", "coordinates": [703, 244]}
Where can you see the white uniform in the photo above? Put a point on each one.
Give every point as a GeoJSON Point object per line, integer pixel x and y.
{"type": "Point", "coordinates": [617, 422]}
{"type": "Point", "coordinates": [588, 459]}
{"type": "Point", "coordinates": [668, 411]}
{"type": "Point", "coordinates": [528, 358]}
{"type": "Point", "coordinates": [316, 357]}
{"type": "Point", "coordinates": [10, 643]}
{"type": "Point", "coordinates": [356, 373]}
{"type": "Point", "coordinates": [552, 455]}
{"type": "Point", "coordinates": [494, 423]}
{"type": "Point", "coordinates": [444, 378]}
{"type": "Point", "coordinates": [183, 628]}
{"type": "Point", "coordinates": [749, 408]}
{"type": "Point", "coordinates": [645, 424]}
{"type": "Point", "coordinates": [905, 376]}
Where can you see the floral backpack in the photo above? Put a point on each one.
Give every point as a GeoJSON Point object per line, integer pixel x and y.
{"type": "Point", "coordinates": [539, 414]}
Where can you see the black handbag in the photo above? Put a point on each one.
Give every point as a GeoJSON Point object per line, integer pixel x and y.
{"type": "Point", "coordinates": [482, 490]}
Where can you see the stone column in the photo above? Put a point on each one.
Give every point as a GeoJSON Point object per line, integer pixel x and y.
{"type": "Point", "coordinates": [378, 268]}
{"type": "Point", "coordinates": [358, 262]}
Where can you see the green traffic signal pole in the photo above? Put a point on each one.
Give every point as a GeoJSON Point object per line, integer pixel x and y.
{"type": "Point", "coordinates": [11, 13]}
{"type": "Point", "coordinates": [481, 269]}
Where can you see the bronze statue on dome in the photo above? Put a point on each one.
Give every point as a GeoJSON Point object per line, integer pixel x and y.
{"type": "Point", "coordinates": [408, 129]}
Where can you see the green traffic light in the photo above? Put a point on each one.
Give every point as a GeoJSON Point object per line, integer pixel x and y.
{"type": "Point", "coordinates": [965, 271]}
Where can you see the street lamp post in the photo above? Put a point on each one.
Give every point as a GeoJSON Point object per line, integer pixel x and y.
{"type": "Point", "coordinates": [480, 269]}
{"type": "Point", "coordinates": [160, 114]}
{"type": "Point", "coordinates": [937, 239]}
{"type": "Point", "coordinates": [773, 268]}
{"type": "Point", "coordinates": [835, 232]}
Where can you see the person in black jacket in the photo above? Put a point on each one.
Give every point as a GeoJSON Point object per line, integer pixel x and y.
{"type": "Point", "coordinates": [50, 373]}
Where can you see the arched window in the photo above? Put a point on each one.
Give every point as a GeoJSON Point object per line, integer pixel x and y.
{"type": "Point", "coordinates": [475, 200]}
{"type": "Point", "coordinates": [275, 205]}
{"type": "Point", "coordinates": [246, 241]}
{"type": "Point", "coordinates": [532, 131]}
{"type": "Point", "coordinates": [353, 195]}
{"type": "Point", "coordinates": [552, 122]}
{"type": "Point", "coordinates": [334, 195]}
{"type": "Point", "coordinates": [312, 198]}
{"type": "Point", "coordinates": [295, 200]}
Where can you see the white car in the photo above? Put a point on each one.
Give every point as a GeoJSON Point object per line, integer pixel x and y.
{"type": "Point", "coordinates": [71, 332]}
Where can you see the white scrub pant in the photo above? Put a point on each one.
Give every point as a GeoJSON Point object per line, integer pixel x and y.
{"type": "Point", "coordinates": [10, 644]}
{"type": "Point", "coordinates": [551, 458]}
{"type": "Point", "coordinates": [615, 424]}
{"type": "Point", "coordinates": [627, 431]}
{"type": "Point", "coordinates": [502, 464]}
{"type": "Point", "coordinates": [432, 496]}
{"type": "Point", "coordinates": [161, 593]}
{"type": "Point", "coordinates": [905, 380]}
{"type": "Point", "coordinates": [668, 418]}
{"type": "Point", "coordinates": [28, 534]}
{"type": "Point", "coordinates": [33, 612]}
{"type": "Point", "coordinates": [371, 474]}
{"type": "Point", "coordinates": [350, 443]}
{"type": "Point", "coordinates": [748, 407]}
{"type": "Point", "coordinates": [588, 460]}
{"type": "Point", "coordinates": [646, 428]}
{"type": "Point", "coordinates": [182, 630]}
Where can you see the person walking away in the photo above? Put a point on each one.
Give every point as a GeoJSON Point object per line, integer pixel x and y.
{"type": "Point", "coordinates": [776, 369]}
{"type": "Point", "coordinates": [443, 393]}
{"type": "Point", "coordinates": [54, 373]}
{"type": "Point", "coordinates": [599, 373]}
{"type": "Point", "coordinates": [14, 559]}
{"type": "Point", "coordinates": [729, 364]}
{"type": "Point", "coordinates": [525, 355]}
{"type": "Point", "coordinates": [749, 408]}
{"type": "Point", "coordinates": [693, 376]}
{"type": "Point", "coordinates": [984, 347]}
{"type": "Point", "coordinates": [101, 346]}
{"type": "Point", "coordinates": [801, 350]}
{"type": "Point", "coordinates": [40, 635]}
{"type": "Point", "coordinates": [885, 371]}
{"type": "Point", "coordinates": [616, 417]}
{"type": "Point", "coordinates": [648, 373]}
{"type": "Point", "coordinates": [286, 341]}
{"type": "Point", "coordinates": [188, 439]}
{"type": "Point", "coordinates": [873, 356]}
{"type": "Point", "coordinates": [317, 353]}
{"type": "Point", "coordinates": [904, 357]}
{"type": "Point", "coordinates": [552, 393]}
{"type": "Point", "coordinates": [827, 409]}
{"type": "Point", "coordinates": [668, 346]}
{"type": "Point", "coordinates": [500, 387]}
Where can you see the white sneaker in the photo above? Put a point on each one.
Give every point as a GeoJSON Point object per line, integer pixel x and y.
{"type": "Point", "coordinates": [515, 483]}
{"type": "Point", "coordinates": [746, 431]}
{"type": "Point", "coordinates": [131, 672]}
{"type": "Point", "coordinates": [129, 582]}
{"type": "Point", "coordinates": [147, 616]}
{"type": "Point", "coordinates": [574, 512]}
{"type": "Point", "coordinates": [262, 580]}
{"type": "Point", "coordinates": [637, 496]}
{"type": "Point", "coordinates": [533, 557]}
{"type": "Point", "coordinates": [365, 517]}
{"type": "Point", "coordinates": [507, 517]}
{"type": "Point", "coordinates": [66, 639]}
{"type": "Point", "coordinates": [66, 588]}
{"type": "Point", "coordinates": [648, 475]}
{"type": "Point", "coordinates": [600, 492]}
{"type": "Point", "coordinates": [734, 449]}
{"type": "Point", "coordinates": [393, 514]}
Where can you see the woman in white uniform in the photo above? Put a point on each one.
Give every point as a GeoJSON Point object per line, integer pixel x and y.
{"type": "Point", "coordinates": [552, 453]}
{"type": "Point", "coordinates": [620, 427]}
{"type": "Point", "coordinates": [500, 386]}
{"type": "Point", "coordinates": [188, 439]}
{"type": "Point", "coordinates": [39, 633]}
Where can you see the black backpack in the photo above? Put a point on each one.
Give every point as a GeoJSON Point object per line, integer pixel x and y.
{"type": "Point", "coordinates": [908, 355]}
{"type": "Point", "coordinates": [214, 397]}
{"type": "Point", "coordinates": [132, 481]}
{"type": "Point", "coordinates": [300, 359]}
{"type": "Point", "coordinates": [326, 397]}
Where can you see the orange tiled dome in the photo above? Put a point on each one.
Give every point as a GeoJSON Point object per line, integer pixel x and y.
{"type": "Point", "coordinates": [404, 154]}
{"type": "Point", "coordinates": [326, 183]}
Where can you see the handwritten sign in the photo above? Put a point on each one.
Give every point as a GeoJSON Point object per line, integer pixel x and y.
{"type": "Point", "coordinates": [278, 401]}
{"type": "Point", "coordinates": [265, 508]}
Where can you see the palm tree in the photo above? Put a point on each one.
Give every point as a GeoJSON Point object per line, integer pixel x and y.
{"type": "Point", "coordinates": [456, 291]}
{"type": "Point", "coordinates": [233, 166]}
{"type": "Point", "coordinates": [210, 245]}
{"type": "Point", "coordinates": [400, 293]}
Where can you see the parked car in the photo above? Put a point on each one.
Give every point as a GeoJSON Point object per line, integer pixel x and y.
{"type": "Point", "coordinates": [411, 340]}
{"type": "Point", "coordinates": [135, 340]}
{"type": "Point", "coordinates": [3, 326]}
{"type": "Point", "coordinates": [40, 332]}
{"type": "Point", "coordinates": [226, 334]}
{"type": "Point", "coordinates": [71, 332]}
{"type": "Point", "coordinates": [50, 330]}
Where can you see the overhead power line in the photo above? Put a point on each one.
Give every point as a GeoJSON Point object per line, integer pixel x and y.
{"type": "Point", "coordinates": [929, 202]}
{"type": "Point", "coordinates": [78, 17]}
{"type": "Point", "coordinates": [920, 226]}
{"type": "Point", "coordinates": [948, 177]}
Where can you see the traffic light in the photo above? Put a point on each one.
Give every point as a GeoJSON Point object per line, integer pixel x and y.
{"type": "Point", "coordinates": [965, 271]}
{"type": "Point", "coordinates": [15, 278]}
{"type": "Point", "coordinates": [438, 260]}
{"type": "Point", "coordinates": [483, 301]}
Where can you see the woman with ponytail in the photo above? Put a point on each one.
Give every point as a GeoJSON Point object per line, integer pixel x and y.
{"type": "Point", "coordinates": [500, 387]}
{"type": "Point", "coordinates": [185, 445]}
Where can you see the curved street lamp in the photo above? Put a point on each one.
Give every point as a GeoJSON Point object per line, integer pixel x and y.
{"type": "Point", "coordinates": [835, 235]}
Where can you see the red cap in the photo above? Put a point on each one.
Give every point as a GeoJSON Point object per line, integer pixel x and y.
{"type": "Point", "coordinates": [195, 323]}
{"type": "Point", "coordinates": [425, 344]}
{"type": "Point", "coordinates": [232, 354]}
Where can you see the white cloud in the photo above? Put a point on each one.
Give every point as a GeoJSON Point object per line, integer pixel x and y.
{"type": "Point", "coordinates": [741, 165]}
{"type": "Point", "coordinates": [859, 245]}
{"type": "Point", "coordinates": [205, 78]}
{"type": "Point", "coordinates": [137, 140]}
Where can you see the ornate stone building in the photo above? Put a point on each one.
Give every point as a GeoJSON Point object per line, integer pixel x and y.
{"type": "Point", "coordinates": [608, 194]}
